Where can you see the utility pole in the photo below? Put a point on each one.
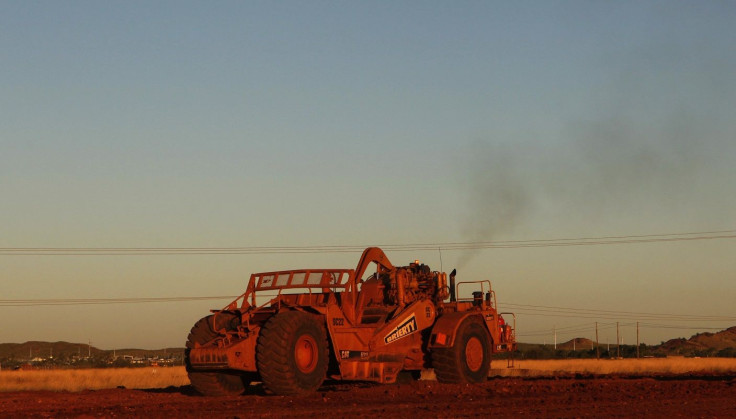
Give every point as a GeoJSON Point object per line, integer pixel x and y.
{"type": "Point", "coordinates": [597, 349]}
{"type": "Point", "coordinates": [89, 349]}
{"type": "Point", "coordinates": [554, 328]}
{"type": "Point", "coordinates": [618, 343]}
{"type": "Point", "coordinates": [637, 340]}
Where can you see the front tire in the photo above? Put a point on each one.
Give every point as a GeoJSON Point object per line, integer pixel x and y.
{"type": "Point", "coordinates": [292, 353]}
{"type": "Point", "coordinates": [213, 383]}
{"type": "Point", "coordinates": [469, 359]}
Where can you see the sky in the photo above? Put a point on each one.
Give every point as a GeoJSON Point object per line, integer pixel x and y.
{"type": "Point", "coordinates": [137, 124]}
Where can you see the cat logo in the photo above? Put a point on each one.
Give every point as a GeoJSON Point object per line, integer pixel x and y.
{"type": "Point", "coordinates": [406, 328]}
{"type": "Point", "coordinates": [267, 281]}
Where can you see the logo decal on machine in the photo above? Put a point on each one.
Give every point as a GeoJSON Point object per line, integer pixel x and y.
{"type": "Point", "coordinates": [267, 281]}
{"type": "Point", "coordinates": [406, 328]}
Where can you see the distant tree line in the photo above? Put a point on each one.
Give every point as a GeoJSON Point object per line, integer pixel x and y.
{"type": "Point", "coordinates": [95, 361]}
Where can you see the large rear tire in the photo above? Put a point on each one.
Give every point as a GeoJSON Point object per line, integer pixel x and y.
{"type": "Point", "coordinates": [469, 359]}
{"type": "Point", "coordinates": [213, 383]}
{"type": "Point", "coordinates": [292, 354]}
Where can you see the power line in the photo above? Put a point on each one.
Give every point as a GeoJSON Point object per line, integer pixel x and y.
{"type": "Point", "coordinates": [530, 310]}
{"type": "Point", "coordinates": [670, 326]}
{"type": "Point", "coordinates": [581, 327]}
{"type": "Point", "coordinates": [525, 309]}
{"type": "Point", "coordinates": [86, 301]}
{"type": "Point", "coordinates": [448, 246]}
{"type": "Point", "coordinates": [606, 326]}
{"type": "Point", "coordinates": [609, 314]}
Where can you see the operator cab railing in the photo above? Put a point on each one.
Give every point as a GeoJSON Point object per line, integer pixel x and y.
{"type": "Point", "coordinates": [326, 279]}
{"type": "Point", "coordinates": [303, 278]}
{"type": "Point", "coordinates": [478, 296]}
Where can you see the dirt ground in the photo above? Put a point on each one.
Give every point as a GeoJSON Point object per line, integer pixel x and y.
{"type": "Point", "coordinates": [571, 396]}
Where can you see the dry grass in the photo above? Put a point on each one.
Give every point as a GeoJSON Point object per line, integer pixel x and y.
{"type": "Point", "coordinates": [92, 379]}
{"type": "Point", "coordinates": [162, 377]}
{"type": "Point", "coordinates": [645, 366]}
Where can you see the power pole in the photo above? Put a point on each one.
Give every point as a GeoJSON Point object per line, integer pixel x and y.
{"type": "Point", "coordinates": [618, 343]}
{"type": "Point", "coordinates": [637, 340]}
{"type": "Point", "coordinates": [554, 328]}
{"type": "Point", "coordinates": [597, 349]}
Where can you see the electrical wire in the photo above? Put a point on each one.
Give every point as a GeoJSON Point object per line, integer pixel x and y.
{"type": "Point", "coordinates": [86, 301]}
{"type": "Point", "coordinates": [608, 314]}
{"type": "Point", "coordinates": [449, 246]}
{"type": "Point", "coordinates": [530, 310]}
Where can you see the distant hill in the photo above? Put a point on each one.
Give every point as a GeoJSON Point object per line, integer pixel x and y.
{"type": "Point", "coordinates": [576, 344]}
{"type": "Point", "coordinates": [70, 353]}
{"type": "Point", "coordinates": [721, 343]}
{"type": "Point", "coordinates": [701, 344]}
{"type": "Point", "coordinates": [33, 349]}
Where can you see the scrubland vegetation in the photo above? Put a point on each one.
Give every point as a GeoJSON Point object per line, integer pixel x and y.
{"type": "Point", "coordinates": [92, 379]}
{"type": "Point", "coordinates": [161, 377]}
{"type": "Point", "coordinates": [644, 366]}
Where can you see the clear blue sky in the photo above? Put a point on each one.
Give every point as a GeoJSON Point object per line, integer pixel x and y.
{"type": "Point", "coordinates": [201, 124]}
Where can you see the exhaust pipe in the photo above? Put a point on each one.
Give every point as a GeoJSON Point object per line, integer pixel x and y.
{"type": "Point", "coordinates": [452, 285]}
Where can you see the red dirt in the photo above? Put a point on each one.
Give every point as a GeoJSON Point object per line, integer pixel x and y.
{"type": "Point", "coordinates": [503, 397]}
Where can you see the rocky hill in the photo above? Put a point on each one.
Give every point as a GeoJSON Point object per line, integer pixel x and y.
{"type": "Point", "coordinates": [722, 344]}
{"type": "Point", "coordinates": [577, 344]}
{"type": "Point", "coordinates": [702, 344]}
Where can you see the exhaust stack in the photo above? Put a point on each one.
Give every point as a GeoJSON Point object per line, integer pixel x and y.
{"type": "Point", "coordinates": [452, 285]}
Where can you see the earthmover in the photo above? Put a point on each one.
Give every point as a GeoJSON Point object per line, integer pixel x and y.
{"type": "Point", "coordinates": [319, 323]}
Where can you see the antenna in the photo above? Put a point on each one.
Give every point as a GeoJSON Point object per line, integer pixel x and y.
{"type": "Point", "coordinates": [439, 249]}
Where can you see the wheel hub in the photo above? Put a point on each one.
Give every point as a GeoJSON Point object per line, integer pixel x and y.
{"type": "Point", "coordinates": [306, 353]}
{"type": "Point", "coordinates": [474, 354]}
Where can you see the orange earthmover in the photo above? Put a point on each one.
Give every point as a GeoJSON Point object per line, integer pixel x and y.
{"type": "Point", "coordinates": [319, 323]}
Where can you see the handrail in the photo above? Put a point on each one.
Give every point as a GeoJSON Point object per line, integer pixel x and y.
{"type": "Point", "coordinates": [293, 279]}
{"type": "Point", "coordinates": [483, 290]}
{"type": "Point", "coordinates": [301, 278]}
